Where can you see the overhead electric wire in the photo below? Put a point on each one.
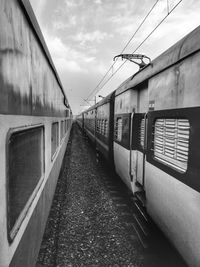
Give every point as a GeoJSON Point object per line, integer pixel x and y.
{"type": "Point", "coordinates": [124, 48]}
{"type": "Point", "coordinates": [169, 12]}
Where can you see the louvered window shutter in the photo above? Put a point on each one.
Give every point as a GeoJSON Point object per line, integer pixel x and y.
{"type": "Point", "coordinates": [171, 142]}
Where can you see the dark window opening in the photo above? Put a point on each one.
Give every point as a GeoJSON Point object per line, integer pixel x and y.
{"type": "Point", "coordinates": [62, 130]}
{"type": "Point", "coordinates": [54, 138]}
{"type": "Point", "coordinates": [65, 126]}
{"type": "Point", "coordinates": [118, 129]}
{"type": "Point", "coordinates": [25, 169]}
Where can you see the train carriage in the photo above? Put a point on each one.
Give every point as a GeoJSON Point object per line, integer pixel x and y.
{"type": "Point", "coordinates": [164, 149]}
{"type": "Point", "coordinates": [104, 127]}
{"type": "Point", "coordinates": [80, 120]}
{"type": "Point", "coordinates": [35, 120]}
{"type": "Point", "coordinates": [156, 143]}
{"type": "Point", "coordinates": [89, 123]}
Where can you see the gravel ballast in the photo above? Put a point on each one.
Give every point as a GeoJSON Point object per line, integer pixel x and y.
{"type": "Point", "coordinates": [89, 218]}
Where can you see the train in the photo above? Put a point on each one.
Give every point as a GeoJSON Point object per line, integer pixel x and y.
{"type": "Point", "coordinates": [148, 129]}
{"type": "Point", "coordinates": [35, 123]}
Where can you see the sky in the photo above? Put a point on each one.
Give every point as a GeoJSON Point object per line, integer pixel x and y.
{"type": "Point", "coordinates": [83, 37]}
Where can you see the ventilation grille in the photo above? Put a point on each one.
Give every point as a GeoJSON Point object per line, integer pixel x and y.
{"type": "Point", "coordinates": [102, 127]}
{"type": "Point", "coordinates": [171, 142]}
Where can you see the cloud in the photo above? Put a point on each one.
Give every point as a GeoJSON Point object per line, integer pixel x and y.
{"type": "Point", "coordinates": [83, 36]}
{"type": "Point", "coordinates": [64, 65]}
{"type": "Point", "coordinates": [63, 24]}
{"type": "Point", "coordinates": [65, 57]}
{"type": "Point", "coordinates": [95, 36]}
{"type": "Point", "coordinates": [70, 3]}
{"type": "Point", "coordinates": [163, 32]}
{"type": "Point", "coordinates": [38, 7]}
{"type": "Point", "coordinates": [57, 25]}
{"type": "Point", "coordinates": [98, 2]}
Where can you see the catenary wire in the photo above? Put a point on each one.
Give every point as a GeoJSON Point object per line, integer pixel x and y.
{"type": "Point", "coordinates": [145, 18]}
{"type": "Point", "coordinates": [139, 45]}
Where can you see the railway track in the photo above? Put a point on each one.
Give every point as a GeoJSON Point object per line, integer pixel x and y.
{"type": "Point", "coordinates": [95, 221]}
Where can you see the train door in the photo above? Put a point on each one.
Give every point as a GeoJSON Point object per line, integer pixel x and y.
{"type": "Point", "coordinates": [138, 138]}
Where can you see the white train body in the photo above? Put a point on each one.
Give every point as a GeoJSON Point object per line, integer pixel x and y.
{"type": "Point", "coordinates": [155, 143]}
{"type": "Point", "coordinates": [35, 123]}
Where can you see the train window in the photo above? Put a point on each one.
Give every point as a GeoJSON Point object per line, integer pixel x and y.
{"type": "Point", "coordinates": [61, 135]}
{"type": "Point", "coordinates": [93, 124]}
{"type": "Point", "coordinates": [25, 169]}
{"type": "Point", "coordinates": [97, 125]}
{"type": "Point", "coordinates": [62, 130]}
{"type": "Point", "coordinates": [141, 135]}
{"type": "Point", "coordinates": [65, 126]}
{"type": "Point", "coordinates": [54, 138]}
{"type": "Point", "coordinates": [106, 127]}
{"type": "Point", "coordinates": [102, 126]}
{"type": "Point", "coordinates": [118, 129]}
{"type": "Point", "coordinates": [171, 142]}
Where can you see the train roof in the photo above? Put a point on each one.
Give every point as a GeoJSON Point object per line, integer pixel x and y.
{"type": "Point", "coordinates": [105, 100]}
{"type": "Point", "coordinates": [182, 49]}
{"type": "Point", "coordinates": [35, 26]}
{"type": "Point", "coordinates": [100, 103]}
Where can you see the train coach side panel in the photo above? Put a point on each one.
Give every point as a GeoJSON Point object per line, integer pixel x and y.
{"type": "Point", "coordinates": [173, 196]}
{"type": "Point", "coordinates": [28, 83]}
{"type": "Point", "coordinates": [31, 96]}
{"type": "Point", "coordinates": [89, 124]}
{"type": "Point", "coordinates": [27, 220]}
{"type": "Point", "coordinates": [178, 86]}
{"type": "Point", "coordinates": [102, 129]}
{"type": "Point", "coordinates": [174, 206]}
{"type": "Point", "coordinates": [125, 103]}
{"type": "Point", "coordinates": [29, 246]}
